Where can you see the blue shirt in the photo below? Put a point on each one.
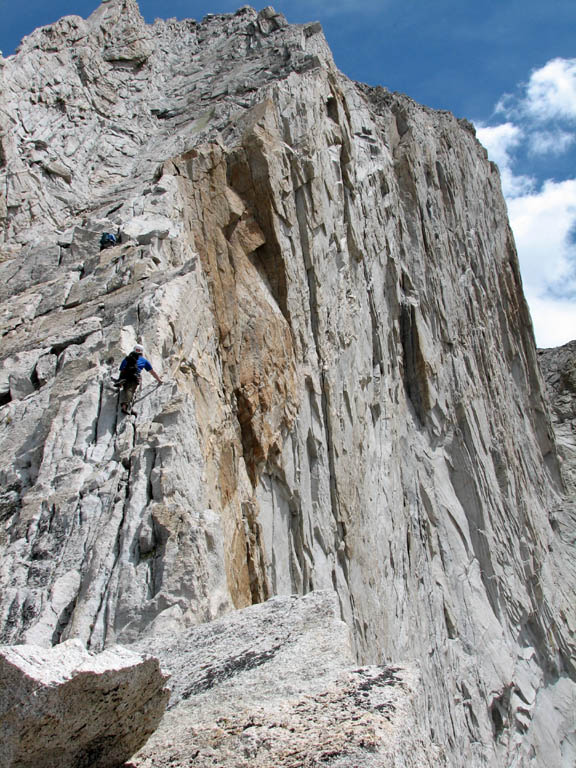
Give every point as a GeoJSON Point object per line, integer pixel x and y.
{"type": "Point", "coordinates": [141, 364]}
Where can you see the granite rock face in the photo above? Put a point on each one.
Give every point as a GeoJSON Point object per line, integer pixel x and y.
{"type": "Point", "coordinates": [324, 275]}
{"type": "Point", "coordinates": [63, 707]}
{"type": "Point", "coordinates": [276, 685]}
{"type": "Point", "coordinates": [559, 369]}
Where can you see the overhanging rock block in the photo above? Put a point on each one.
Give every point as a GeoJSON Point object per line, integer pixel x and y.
{"type": "Point", "coordinates": [62, 707]}
{"type": "Point", "coordinates": [144, 229]}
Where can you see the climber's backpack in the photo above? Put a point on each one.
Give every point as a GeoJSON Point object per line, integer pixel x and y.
{"type": "Point", "coordinates": [130, 374]}
{"type": "Point", "coordinates": [107, 240]}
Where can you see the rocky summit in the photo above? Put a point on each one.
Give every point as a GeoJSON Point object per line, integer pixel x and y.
{"type": "Point", "coordinates": [323, 275]}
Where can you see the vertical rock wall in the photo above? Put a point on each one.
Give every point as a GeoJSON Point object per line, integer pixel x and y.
{"type": "Point", "coordinates": [324, 275]}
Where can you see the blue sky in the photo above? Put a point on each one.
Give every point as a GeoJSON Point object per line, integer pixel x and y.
{"type": "Point", "coordinates": [507, 65]}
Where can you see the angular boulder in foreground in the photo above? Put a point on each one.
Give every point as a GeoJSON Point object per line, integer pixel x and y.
{"type": "Point", "coordinates": [63, 707]}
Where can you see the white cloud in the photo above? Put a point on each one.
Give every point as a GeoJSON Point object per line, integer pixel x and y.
{"type": "Point", "coordinates": [549, 95]}
{"type": "Point", "coordinates": [542, 223]}
{"type": "Point", "coordinates": [551, 91]}
{"type": "Point", "coordinates": [541, 120]}
{"type": "Point", "coordinates": [550, 142]}
{"type": "Point", "coordinates": [500, 141]}
{"type": "Point", "coordinates": [554, 321]}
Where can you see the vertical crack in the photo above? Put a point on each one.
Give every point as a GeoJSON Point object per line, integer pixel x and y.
{"type": "Point", "coordinates": [117, 548]}
{"type": "Point", "coordinates": [301, 213]}
{"type": "Point", "coordinates": [63, 621]}
{"type": "Point", "coordinates": [377, 352]}
{"type": "Point", "coordinates": [98, 414]}
{"type": "Point", "coordinates": [259, 587]}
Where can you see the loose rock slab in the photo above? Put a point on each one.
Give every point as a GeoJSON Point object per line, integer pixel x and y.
{"type": "Point", "coordinates": [63, 707]}
{"type": "Point", "coordinates": [275, 686]}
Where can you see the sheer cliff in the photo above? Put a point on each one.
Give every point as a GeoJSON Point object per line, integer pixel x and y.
{"type": "Point", "coordinates": [324, 275]}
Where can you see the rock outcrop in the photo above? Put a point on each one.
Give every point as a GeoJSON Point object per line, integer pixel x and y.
{"type": "Point", "coordinates": [325, 276]}
{"type": "Point", "coordinates": [559, 369]}
{"type": "Point", "coordinates": [276, 685]}
{"type": "Point", "coordinates": [64, 707]}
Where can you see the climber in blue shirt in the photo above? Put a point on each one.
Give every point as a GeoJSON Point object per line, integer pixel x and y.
{"type": "Point", "coordinates": [131, 374]}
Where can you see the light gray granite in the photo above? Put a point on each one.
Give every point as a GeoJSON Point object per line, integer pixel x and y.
{"type": "Point", "coordinates": [324, 275]}
{"type": "Point", "coordinates": [63, 707]}
{"type": "Point", "coordinates": [277, 685]}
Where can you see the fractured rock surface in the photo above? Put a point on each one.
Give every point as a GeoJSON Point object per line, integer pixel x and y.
{"type": "Point", "coordinates": [324, 274]}
{"type": "Point", "coordinates": [559, 369]}
{"type": "Point", "coordinates": [276, 685]}
{"type": "Point", "coordinates": [63, 707]}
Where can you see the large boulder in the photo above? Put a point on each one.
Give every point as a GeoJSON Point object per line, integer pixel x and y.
{"type": "Point", "coordinates": [276, 685]}
{"type": "Point", "coordinates": [64, 707]}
